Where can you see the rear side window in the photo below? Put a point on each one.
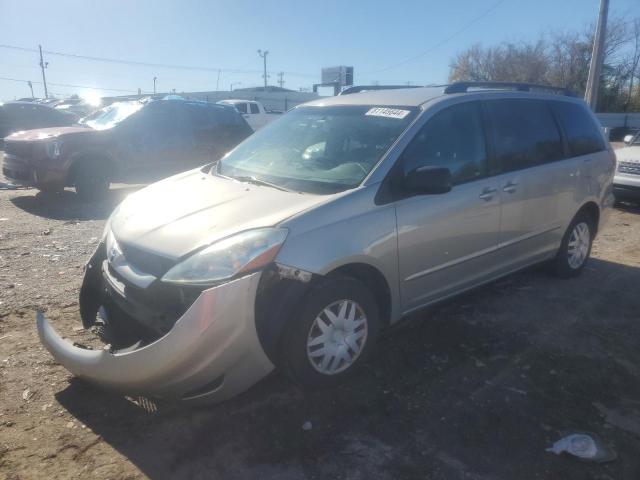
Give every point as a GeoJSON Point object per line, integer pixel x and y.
{"type": "Point", "coordinates": [209, 116]}
{"type": "Point", "coordinates": [583, 135]}
{"type": "Point", "coordinates": [524, 133]}
{"type": "Point", "coordinates": [453, 138]}
{"type": "Point", "coordinates": [254, 108]}
{"type": "Point", "coordinates": [161, 119]}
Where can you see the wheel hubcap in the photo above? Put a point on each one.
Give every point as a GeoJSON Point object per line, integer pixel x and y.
{"type": "Point", "coordinates": [579, 242]}
{"type": "Point", "coordinates": [337, 337]}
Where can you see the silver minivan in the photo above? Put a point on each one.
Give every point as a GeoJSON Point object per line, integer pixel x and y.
{"type": "Point", "coordinates": [327, 226]}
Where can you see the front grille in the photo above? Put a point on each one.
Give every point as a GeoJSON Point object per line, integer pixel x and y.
{"type": "Point", "coordinates": [156, 307]}
{"type": "Point", "coordinates": [629, 168]}
{"type": "Point", "coordinates": [145, 261]}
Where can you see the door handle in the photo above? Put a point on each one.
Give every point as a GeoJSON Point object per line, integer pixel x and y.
{"type": "Point", "coordinates": [487, 194]}
{"type": "Point", "coordinates": [510, 187]}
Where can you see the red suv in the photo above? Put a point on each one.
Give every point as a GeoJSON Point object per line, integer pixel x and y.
{"type": "Point", "coordinates": [127, 142]}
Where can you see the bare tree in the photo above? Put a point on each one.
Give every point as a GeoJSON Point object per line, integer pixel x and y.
{"type": "Point", "coordinates": [562, 59]}
{"type": "Point", "coordinates": [633, 62]}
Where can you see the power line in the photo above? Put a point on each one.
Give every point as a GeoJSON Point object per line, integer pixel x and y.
{"type": "Point", "coordinates": [145, 64]}
{"type": "Point", "coordinates": [69, 85]}
{"type": "Point", "coordinates": [443, 41]}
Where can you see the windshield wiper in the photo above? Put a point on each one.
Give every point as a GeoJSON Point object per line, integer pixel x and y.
{"type": "Point", "coordinates": [257, 181]}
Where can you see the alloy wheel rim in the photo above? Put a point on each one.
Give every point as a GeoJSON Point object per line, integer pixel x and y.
{"type": "Point", "coordinates": [578, 247]}
{"type": "Point", "coordinates": [337, 337]}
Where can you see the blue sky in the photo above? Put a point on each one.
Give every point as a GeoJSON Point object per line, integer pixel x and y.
{"type": "Point", "coordinates": [377, 38]}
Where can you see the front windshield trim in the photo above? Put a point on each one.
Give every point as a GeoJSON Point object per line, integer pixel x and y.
{"type": "Point", "coordinates": [320, 149]}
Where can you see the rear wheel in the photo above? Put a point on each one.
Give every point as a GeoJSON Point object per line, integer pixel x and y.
{"type": "Point", "coordinates": [91, 181]}
{"type": "Point", "coordinates": [576, 247]}
{"type": "Point", "coordinates": [332, 334]}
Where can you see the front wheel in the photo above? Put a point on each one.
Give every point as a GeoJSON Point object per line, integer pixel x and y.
{"type": "Point", "coordinates": [575, 248]}
{"type": "Point", "coordinates": [91, 182]}
{"type": "Point", "coordinates": [332, 334]}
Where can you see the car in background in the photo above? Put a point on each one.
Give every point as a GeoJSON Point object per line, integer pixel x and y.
{"type": "Point", "coordinates": [77, 106]}
{"type": "Point", "coordinates": [128, 142]}
{"type": "Point", "coordinates": [626, 183]}
{"type": "Point", "coordinates": [253, 112]}
{"type": "Point", "coordinates": [17, 116]}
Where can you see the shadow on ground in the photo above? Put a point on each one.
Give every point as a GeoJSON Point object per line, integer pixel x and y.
{"type": "Point", "coordinates": [67, 206]}
{"type": "Point", "coordinates": [628, 206]}
{"type": "Point", "coordinates": [476, 388]}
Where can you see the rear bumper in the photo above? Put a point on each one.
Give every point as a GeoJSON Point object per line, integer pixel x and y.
{"type": "Point", "coordinates": [210, 354]}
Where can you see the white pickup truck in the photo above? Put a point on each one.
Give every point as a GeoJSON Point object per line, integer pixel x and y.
{"type": "Point", "coordinates": [252, 111]}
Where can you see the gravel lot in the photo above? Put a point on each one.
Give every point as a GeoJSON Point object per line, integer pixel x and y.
{"type": "Point", "coordinates": [473, 389]}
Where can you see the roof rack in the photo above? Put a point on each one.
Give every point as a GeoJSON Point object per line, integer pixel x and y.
{"type": "Point", "coordinates": [365, 88]}
{"type": "Point", "coordinates": [462, 87]}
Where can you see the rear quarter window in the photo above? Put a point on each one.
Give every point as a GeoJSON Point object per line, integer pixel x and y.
{"type": "Point", "coordinates": [208, 116]}
{"type": "Point", "coordinates": [524, 133]}
{"type": "Point", "coordinates": [583, 134]}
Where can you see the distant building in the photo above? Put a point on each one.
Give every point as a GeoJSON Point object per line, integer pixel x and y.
{"type": "Point", "coordinates": [273, 98]}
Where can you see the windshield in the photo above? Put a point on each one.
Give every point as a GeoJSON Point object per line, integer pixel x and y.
{"type": "Point", "coordinates": [318, 149]}
{"type": "Point", "coordinates": [111, 115]}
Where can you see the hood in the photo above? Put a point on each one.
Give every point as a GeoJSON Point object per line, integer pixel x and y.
{"type": "Point", "coordinates": [49, 133]}
{"type": "Point", "coordinates": [629, 154]}
{"type": "Point", "coordinates": [176, 216]}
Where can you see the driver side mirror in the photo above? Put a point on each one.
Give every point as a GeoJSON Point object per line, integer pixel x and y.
{"type": "Point", "coordinates": [428, 180]}
{"type": "Point", "coordinates": [628, 139]}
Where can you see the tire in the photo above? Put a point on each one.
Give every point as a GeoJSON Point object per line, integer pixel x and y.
{"type": "Point", "coordinates": [49, 190]}
{"type": "Point", "coordinates": [91, 182]}
{"type": "Point", "coordinates": [315, 371]}
{"type": "Point", "coordinates": [575, 248]}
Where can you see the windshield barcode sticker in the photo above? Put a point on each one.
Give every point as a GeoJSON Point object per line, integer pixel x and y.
{"type": "Point", "coordinates": [387, 112]}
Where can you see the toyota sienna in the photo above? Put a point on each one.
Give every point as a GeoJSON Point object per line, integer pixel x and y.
{"type": "Point", "coordinates": [303, 243]}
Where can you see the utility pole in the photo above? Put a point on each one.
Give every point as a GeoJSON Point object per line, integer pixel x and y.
{"type": "Point", "coordinates": [218, 80]}
{"type": "Point", "coordinates": [597, 57]}
{"type": "Point", "coordinates": [154, 84]}
{"type": "Point", "coordinates": [281, 79]}
{"type": "Point", "coordinates": [43, 65]}
{"type": "Point", "coordinates": [264, 58]}
{"type": "Point", "coordinates": [31, 87]}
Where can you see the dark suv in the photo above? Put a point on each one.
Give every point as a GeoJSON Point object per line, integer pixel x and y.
{"type": "Point", "coordinates": [129, 142]}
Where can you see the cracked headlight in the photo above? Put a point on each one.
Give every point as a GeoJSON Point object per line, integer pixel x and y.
{"type": "Point", "coordinates": [244, 252]}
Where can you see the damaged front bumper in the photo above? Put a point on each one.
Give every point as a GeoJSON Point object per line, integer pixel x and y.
{"type": "Point", "coordinates": [210, 354]}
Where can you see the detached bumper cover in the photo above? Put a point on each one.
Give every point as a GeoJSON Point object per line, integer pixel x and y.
{"type": "Point", "coordinates": [212, 352]}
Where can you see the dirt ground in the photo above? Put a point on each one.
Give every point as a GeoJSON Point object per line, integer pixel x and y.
{"type": "Point", "coordinates": [474, 389]}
